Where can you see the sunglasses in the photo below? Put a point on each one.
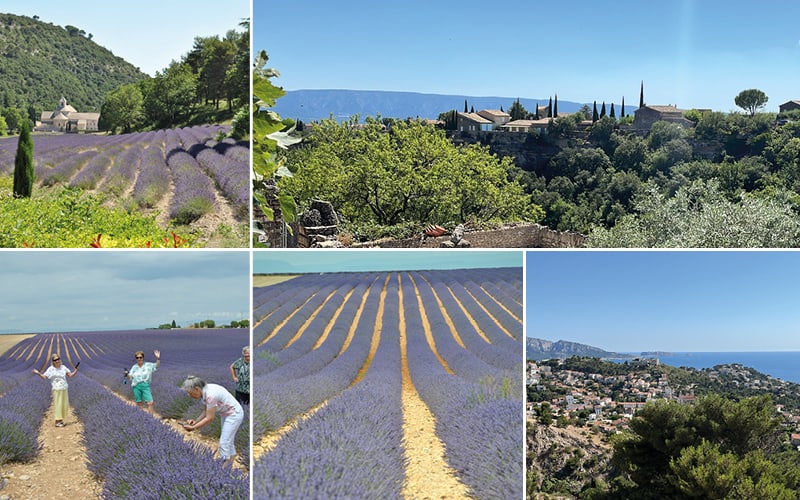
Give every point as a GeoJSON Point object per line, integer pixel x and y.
{"type": "Point", "coordinates": [57, 359]}
{"type": "Point", "coordinates": [139, 357]}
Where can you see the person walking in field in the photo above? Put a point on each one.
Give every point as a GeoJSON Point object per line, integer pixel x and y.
{"type": "Point", "coordinates": [217, 401]}
{"type": "Point", "coordinates": [141, 375]}
{"type": "Point", "coordinates": [58, 373]}
{"type": "Point", "coordinates": [240, 372]}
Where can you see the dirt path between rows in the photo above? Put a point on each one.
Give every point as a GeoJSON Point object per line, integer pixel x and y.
{"type": "Point", "coordinates": [59, 471]}
{"type": "Point", "coordinates": [428, 476]}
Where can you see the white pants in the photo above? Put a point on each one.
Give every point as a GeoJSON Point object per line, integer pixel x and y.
{"type": "Point", "coordinates": [230, 425]}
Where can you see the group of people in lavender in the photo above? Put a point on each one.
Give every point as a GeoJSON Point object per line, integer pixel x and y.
{"type": "Point", "coordinates": [217, 400]}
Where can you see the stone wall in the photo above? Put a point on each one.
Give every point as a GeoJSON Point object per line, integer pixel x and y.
{"type": "Point", "coordinates": [512, 236]}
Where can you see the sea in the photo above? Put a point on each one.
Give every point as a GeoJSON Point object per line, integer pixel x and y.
{"type": "Point", "coordinates": [781, 364]}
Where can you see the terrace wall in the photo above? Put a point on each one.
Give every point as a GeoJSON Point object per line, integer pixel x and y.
{"type": "Point", "coordinates": [512, 236]}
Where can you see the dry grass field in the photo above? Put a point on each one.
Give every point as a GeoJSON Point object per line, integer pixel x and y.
{"type": "Point", "coordinates": [7, 341]}
{"type": "Point", "coordinates": [271, 279]}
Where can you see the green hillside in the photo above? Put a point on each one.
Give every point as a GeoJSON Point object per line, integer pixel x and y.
{"type": "Point", "coordinates": [41, 62]}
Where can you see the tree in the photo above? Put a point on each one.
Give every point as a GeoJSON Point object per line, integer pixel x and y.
{"type": "Point", "coordinates": [595, 115]}
{"type": "Point", "coordinates": [612, 114]}
{"type": "Point", "coordinates": [555, 107]}
{"type": "Point", "coordinates": [170, 95]}
{"type": "Point", "coordinates": [622, 113]}
{"type": "Point", "coordinates": [123, 109]}
{"type": "Point", "coordinates": [641, 95]}
{"type": "Point", "coordinates": [174, 325]}
{"type": "Point", "coordinates": [13, 118]}
{"type": "Point", "coordinates": [3, 127]}
{"type": "Point", "coordinates": [603, 110]}
{"type": "Point", "coordinates": [409, 173]}
{"type": "Point", "coordinates": [751, 100]}
{"type": "Point", "coordinates": [518, 111]}
{"type": "Point", "coordinates": [23, 163]}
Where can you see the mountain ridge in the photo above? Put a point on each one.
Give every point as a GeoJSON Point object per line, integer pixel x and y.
{"type": "Point", "coordinates": [317, 104]}
{"type": "Point", "coordinates": [538, 349]}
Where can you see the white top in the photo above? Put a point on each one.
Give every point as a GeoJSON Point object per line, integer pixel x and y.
{"type": "Point", "coordinates": [216, 396]}
{"type": "Point", "coordinates": [144, 373]}
{"type": "Point", "coordinates": [57, 376]}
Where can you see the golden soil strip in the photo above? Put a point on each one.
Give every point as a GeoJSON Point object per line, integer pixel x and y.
{"type": "Point", "coordinates": [376, 334]}
{"type": "Point", "coordinates": [356, 319]}
{"type": "Point", "coordinates": [82, 346]}
{"type": "Point", "coordinates": [468, 315]}
{"type": "Point", "coordinates": [499, 325]}
{"type": "Point", "coordinates": [311, 317]}
{"type": "Point", "coordinates": [96, 349]}
{"type": "Point", "coordinates": [427, 473]}
{"type": "Point", "coordinates": [37, 358]}
{"type": "Point", "coordinates": [73, 349]}
{"type": "Point", "coordinates": [271, 440]}
{"type": "Point", "coordinates": [502, 305]}
{"type": "Point", "coordinates": [11, 341]}
{"type": "Point", "coordinates": [60, 469]}
{"type": "Point", "coordinates": [426, 326]}
{"type": "Point", "coordinates": [285, 320]}
{"type": "Point", "coordinates": [447, 318]}
{"type": "Point", "coordinates": [332, 322]}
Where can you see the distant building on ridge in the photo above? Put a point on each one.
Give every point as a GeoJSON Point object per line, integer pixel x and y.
{"type": "Point", "coordinates": [67, 119]}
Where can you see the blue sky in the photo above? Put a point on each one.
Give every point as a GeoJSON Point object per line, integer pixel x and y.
{"type": "Point", "coordinates": [293, 261]}
{"type": "Point", "coordinates": [147, 33]}
{"type": "Point", "coordinates": [693, 53]}
{"type": "Point", "coordinates": [630, 301]}
{"type": "Point", "coordinates": [45, 291]}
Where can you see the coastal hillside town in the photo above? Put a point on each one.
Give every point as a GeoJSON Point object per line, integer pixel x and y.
{"type": "Point", "coordinates": [605, 395]}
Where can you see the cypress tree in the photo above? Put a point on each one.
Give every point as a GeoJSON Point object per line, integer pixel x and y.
{"type": "Point", "coordinates": [23, 163]}
{"type": "Point", "coordinates": [612, 114]}
{"type": "Point", "coordinates": [641, 95]}
{"type": "Point", "coordinates": [555, 108]}
{"type": "Point", "coordinates": [622, 114]}
{"type": "Point", "coordinates": [594, 113]}
{"type": "Point", "coordinates": [472, 109]}
{"type": "Point", "coordinates": [550, 108]}
{"type": "Point", "coordinates": [603, 110]}
{"type": "Point", "coordinates": [536, 113]}
{"type": "Point", "coordinates": [466, 109]}
{"type": "Point", "coordinates": [501, 108]}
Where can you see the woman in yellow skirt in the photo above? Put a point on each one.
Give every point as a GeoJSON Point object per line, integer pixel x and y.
{"type": "Point", "coordinates": [58, 373]}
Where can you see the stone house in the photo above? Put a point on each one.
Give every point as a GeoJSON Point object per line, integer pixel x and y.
{"type": "Point", "coordinates": [497, 117]}
{"type": "Point", "coordinates": [789, 106]}
{"type": "Point", "coordinates": [67, 119]}
{"type": "Point", "coordinates": [646, 116]}
{"type": "Point", "coordinates": [472, 122]}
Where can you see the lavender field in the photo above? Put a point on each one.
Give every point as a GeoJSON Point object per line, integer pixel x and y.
{"type": "Point", "coordinates": [340, 359]}
{"type": "Point", "coordinates": [135, 454]}
{"type": "Point", "coordinates": [183, 174]}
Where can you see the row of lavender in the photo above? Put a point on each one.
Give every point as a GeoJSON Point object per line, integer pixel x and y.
{"type": "Point", "coordinates": [104, 356]}
{"type": "Point", "coordinates": [138, 457]}
{"type": "Point", "coordinates": [477, 398]}
{"type": "Point", "coordinates": [147, 164]}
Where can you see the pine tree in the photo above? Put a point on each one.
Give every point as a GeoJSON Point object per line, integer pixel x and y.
{"type": "Point", "coordinates": [603, 110]}
{"type": "Point", "coordinates": [594, 113]}
{"type": "Point", "coordinates": [612, 114]}
{"type": "Point", "coordinates": [23, 163]}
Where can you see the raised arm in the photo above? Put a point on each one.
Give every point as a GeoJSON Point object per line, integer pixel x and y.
{"type": "Point", "coordinates": [157, 354]}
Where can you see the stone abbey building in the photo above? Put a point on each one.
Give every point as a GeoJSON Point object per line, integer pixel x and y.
{"type": "Point", "coordinates": [67, 119]}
